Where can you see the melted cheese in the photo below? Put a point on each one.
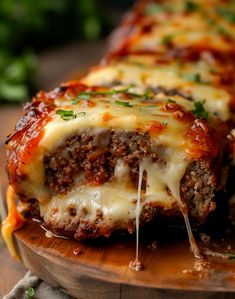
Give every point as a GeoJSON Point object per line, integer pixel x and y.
{"type": "Point", "coordinates": [139, 116]}
{"type": "Point", "coordinates": [142, 71]}
{"type": "Point", "coordinates": [118, 202]}
{"type": "Point", "coordinates": [13, 221]}
{"type": "Point", "coordinates": [120, 207]}
{"type": "Point", "coordinates": [189, 30]}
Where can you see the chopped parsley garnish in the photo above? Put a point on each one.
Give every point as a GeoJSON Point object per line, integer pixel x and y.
{"type": "Point", "coordinates": [195, 78]}
{"type": "Point", "coordinates": [29, 292]}
{"type": "Point", "coordinates": [191, 6]}
{"type": "Point", "coordinates": [66, 114]}
{"type": "Point", "coordinates": [199, 110]}
{"type": "Point", "coordinates": [227, 14]}
{"type": "Point", "coordinates": [84, 96]}
{"type": "Point", "coordinates": [88, 94]}
{"type": "Point", "coordinates": [124, 104]}
{"type": "Point", "coordinates": [164, 123]}
{"type": "Point", "coordinates": [170, 100]}
{"type": "Point", "coordinates": [167, 39]}
{"type": "Point", "coordinates": [69, 114]}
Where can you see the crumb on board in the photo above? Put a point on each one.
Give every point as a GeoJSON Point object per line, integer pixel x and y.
{"type": "Point", "coordinates": [49, 234]}
{"type": "Point", "coordinates": [136, 265]}
{"type": "Point", "coordinates": [201, 268]}
{"type": "Point", "coordinates": [77, 251]}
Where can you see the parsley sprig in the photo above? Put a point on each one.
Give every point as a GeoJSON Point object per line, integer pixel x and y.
{"type": "Point", "coordinates": [124, 104]}
{"type": "Point", "coordinates": [29, 292]}
{"type": "Point", "coordinates": [88, 94]}
{"type": "Point", "coordinates": [69, 114]}
{"type": "Point", "coordinates": [199, 110]}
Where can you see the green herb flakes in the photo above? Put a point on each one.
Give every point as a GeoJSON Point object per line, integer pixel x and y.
{"type": "Point", "coordinates": [124, 104]}
{"type": "Point", "coordinates": [83, 96]}
{"type": "Point", "coordinates": [86, 94]}
{"type": "Point", "coordinates": [29, 292]}
{"type": "Point", "coordinates": [69, 114]}
{"type": "Point", "coordinates": [199, 110]}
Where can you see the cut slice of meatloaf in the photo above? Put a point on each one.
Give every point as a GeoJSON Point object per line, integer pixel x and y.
{"type": "Point", "coordinates": [78, 152]}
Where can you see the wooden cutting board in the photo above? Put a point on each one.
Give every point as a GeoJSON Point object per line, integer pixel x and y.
{"type": "Point", "coordinates": [99, 268]}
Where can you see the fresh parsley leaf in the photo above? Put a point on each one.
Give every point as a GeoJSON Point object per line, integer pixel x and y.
{"type": "Point", "coordinates": [191, 6]}
{"type": "Point", "coordinates": [167, 39]}
{"type": "Point", "coordinates": [125, 104]}
{"type": "Point", "coordinates": [164, 123]}
{"type": "Point", "coordinates": [29, 292]}
{"type": "Point", "coordinates": [199, 110]}
{"type": "Point", "coordinates": [110, 92]}
{"type": "Point", "coordinates": [66, 114]}
{"type": "Point", "coordinates": [69, 114]}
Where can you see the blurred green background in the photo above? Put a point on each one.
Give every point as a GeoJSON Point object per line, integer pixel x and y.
{"type": "Point", "coordinates": [28, 27]}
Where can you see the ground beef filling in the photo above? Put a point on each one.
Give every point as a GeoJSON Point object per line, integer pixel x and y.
{"type": "Point", "coordinates": [96, 156]}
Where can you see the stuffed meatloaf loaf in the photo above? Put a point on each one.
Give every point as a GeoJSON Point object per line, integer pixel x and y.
{"type": "Point", "coordinates": [144, 134]}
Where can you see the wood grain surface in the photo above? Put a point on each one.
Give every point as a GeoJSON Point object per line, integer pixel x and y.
{"type": "Point", "coordinates": [99, 268]}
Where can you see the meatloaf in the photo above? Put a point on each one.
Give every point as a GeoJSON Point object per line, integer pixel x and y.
{"type": "Point", "coordinates": [143, 134]}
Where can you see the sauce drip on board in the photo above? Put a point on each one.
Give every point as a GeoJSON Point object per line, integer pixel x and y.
{"type": "Point", "coordinates": [13, 221]}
